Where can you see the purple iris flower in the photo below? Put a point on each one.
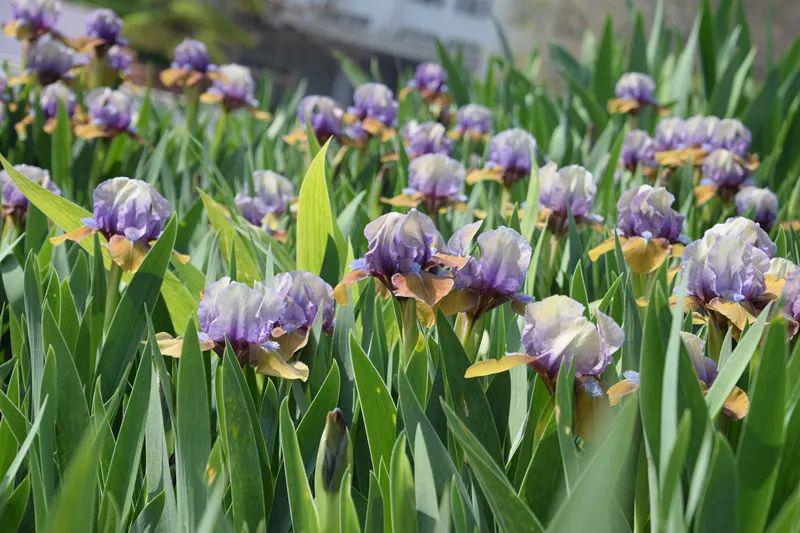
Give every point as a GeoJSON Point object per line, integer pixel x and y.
{"type": "Point", "coordinates": [511, 151]}
{"type": "Point", "coordinates": [723, 169]}
{"type": "Point", "coordinates": [322, 114]}
{"type": "Point", "coordinates": [54, 93]}
{"type": "Point", "coordinates": [791, 296]}
{"type": "Point", "coordinates": [128, 207]}
{"type": "Point", "coordinates": [438, 178]}
{"type": "Point", "coordinates": [762, 202]}
{"type": "Point", "coordinates": [499, 273]}
{"type": "Point", "coordinates": [191, 55]}
{"type": "Point", "coordinates": [699, 130]}
{"type": "Point", "coordinates": [647, 212]}
{"type": "Point", "coordinates": [119, 58]}
{"type": "Point", "coordinates": [234, 84]}
{"type": "Point", "coordinates": [671, 134]}
{"type": "Point", "coordinates": [244, 316]}
{"type": "Point", "coordinates": [110, 109]}
{"type": "Point", "coordinates": [557, 332]}
{"type": "Point", "coordinates": [50, 59]}
{"type": "Point", "coordinates": [303, 295]}
{"type": "Point", "coordinates": [273, 193]}
{"type": "Point", "coordinates": [474, 119]}
{"type": "Point", "coordinates": [570, 188]}
{"type": "Point", "coordinates": [425, 138]}
{"type": "Point", "coordinates": [429, 78]}
{"type": "Point", "coordinates": [638, 149]}
{"type": "Point", "coordinates": [15, 204]}
{"type": "Point", "coordinates": [37, 15]}
{"type": "Point", "coordinates": [636, 86]}
{"type": "Point", "coordinates": [398, 244]}
{"type": "Point", "coordinates": [375, 101]}
{"type": "Point", "coordinates": [104, 24]}
{"type": "Point", "coordinates": [731, 134]}
{"type": "Point", "coordinates": [729, 262]}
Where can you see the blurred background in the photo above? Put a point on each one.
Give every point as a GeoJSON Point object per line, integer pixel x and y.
{"type": "Point", "coordinates": [303, 39]}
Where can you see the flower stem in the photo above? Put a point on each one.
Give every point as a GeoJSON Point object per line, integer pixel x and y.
{"type": "Point", "coordinates": [409, 330]}
{"type": "Point", "coordinates": [192, 99]}
{"type": "Point", "coordinates": [112, 294]}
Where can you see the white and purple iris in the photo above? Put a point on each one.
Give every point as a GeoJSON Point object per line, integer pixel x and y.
{"type": "Point", "coordinates": [105, 25]}
{"type": "Point", "coordinates": [762, 203]}
{"type": "Point", "coordinates": [429, 79]}
{"type": "Point", "coordinates": [729, 262]}
{"type": "Point", "coordinates": [304, 295]}
{"type": "Point", "coordinates": [438, 179]}
{"type": "Point", "coordinates": [511, 152]}
{"type": "Point", "coordinates": [636, 86]}
{"type": "Point", "coordinates": [647, 212]}
{"type": "Point", "coordinates": [50, 59]}
{"type": "Point", "coordinates": [130, 208]}
{"type": "Point", "coordinates": [474, 120]}
{"type": "Point", "coordinates": [557, 332]}
{"type": "Point", "coordinates": [425, 138]}
{"type": "Point", "coordinates": [191, 55]}
{"type": "Point", "coordinates": [570, 189]}
{"type": "Point", "coordinates": [322, 114]}
{"type": "Point", "coordinates": [638, 149]}
{"type": "Point", "coordinates": [375, 101]}
{"type": "Point", "coordinates": [273, 193]}
{"type": "Point", "coordinates": [36, 15]}
{"type": "Point", "coordinates": [54, 93]}
{"type": "Point", "coordinates": [234, 85]}
{"type": "Point", "coordinates": [111, 110]}
{"type": "Point", "coordinates": [15, 204]}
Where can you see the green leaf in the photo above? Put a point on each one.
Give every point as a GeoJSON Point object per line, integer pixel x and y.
{"type": "Point", "coordinates": [122, 474]}
{"type": "Point", "coordinates": [61, 149]}
{"type": "Point", "coordinates": [762, 437]}
{"type": "Point", "coordinates": [404, 515]}
{"type": "Point", "coordinates": [591, 503]}
{"type": "Point", "coordinates": [241, 452]}
{"type": "Point", "coordinates": [316, 220]}
{"type": "Point", "coordinates": [301, 505]}
{"type": "Point", "coordinates": [466, 395]}
{"type": "Point", "coordinates": [380, 413]}
{"type": "Point", "coordinates": [718, 508]}
{"type": "Point", "coordinates": [736, 364]}
{"type": "Point", "coordinates": [192, 431]}
{"type": "Point", "coordinates": [509, 510]}
{"type": "Point", "coordinates": [455, 81]}
{"type": "Point", "coordinates": [708, 54]}
{"type": "Point", "coordinates": [128, 325]}
{"type": "Point", "coordinates": [681, 80]}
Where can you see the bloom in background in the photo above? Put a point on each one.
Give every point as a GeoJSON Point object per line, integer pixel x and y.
{"type": "Point", "coordinates": [406, 254]}
{"type": "Point", "coordinates": [791, 300]}
{"type": "Point", "coordinates": [434, 180]}
{"type": "Point", "coordinates": [649, 229]}
{"type": "Point", "coordinates": [31, 18]}
{"type": "Point", "coordinates": [570, 189]}
{"type": "Point", "coordinates": [322, 114]}
{"type": "Point", "coordinates": [671, 134]}
{"type": "Point", "coordinates": [632, 92]}
{"type": "Point", "coordinates": [374, 112]}
{"type": "Point", "coordinates": [474, 121]}
{"type": "Point", "coordinates": [304, 295]}
{"type": "Point", "coordinates": [557, 333]}
{"type": "Point", "coordinates": [130, 214]}
{"type": "Point", "coordinates": [736, 404]}
{"type": "Point", "coordinates": [699, 130]}
{"type": "Point", "coordinates": [510, 155]}
{"type": "Point", "coordinates": [761, 202]}
{"type": "Point", "coordinates": [119, 58]}
{"type": "Point", "coordinates": [190, 65]}
{"type": "Point", "coordinates": [15, 204]}
{"type": "Point", "coordinates": [730, 134]}
{"type": "Point", "coordinates": [425, 138]}
{"type": "Point", "coordinates": [726, 270]}
{"type": "Point", "coordinates": [54, 93]}
{"type": "Point", "coordinates": [110, 113]}
{"type": "Point", "coordinates": [50, 60]}
{"type": "Point", "coordinates": [104, 25]}
{"type": "Point", "coordinates": [430, 80]}
{"type": "Point", "coordinates": [233, 87]}
{"type": "Point", "coordinates": [723, 174]}
{"type": "Point", "coordinates": [273, 193]}
{"type": "Point", "coordinates": [493, 278]}
{"type": "Point", "coordinates": [639, 149]}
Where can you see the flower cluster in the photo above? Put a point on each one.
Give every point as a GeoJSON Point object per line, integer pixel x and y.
{"type": "Point", "coordinates": [271, 197]}
{"type": "Point", "coordinates": [425, 138]}
{"type": "Point", "coordinates": [565, 191]}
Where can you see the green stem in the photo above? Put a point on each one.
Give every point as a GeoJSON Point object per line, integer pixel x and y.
{"type": "Point", "coordinates": [409, 329]}
{"type": "Point", "coordinates": [219, 133]}
{"type": "Point", "coordinates": [465, 327]}
{"type": "Point", "coordinates": [112, 294]}
{"type": "Point", "coordinates": [192, 99]}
